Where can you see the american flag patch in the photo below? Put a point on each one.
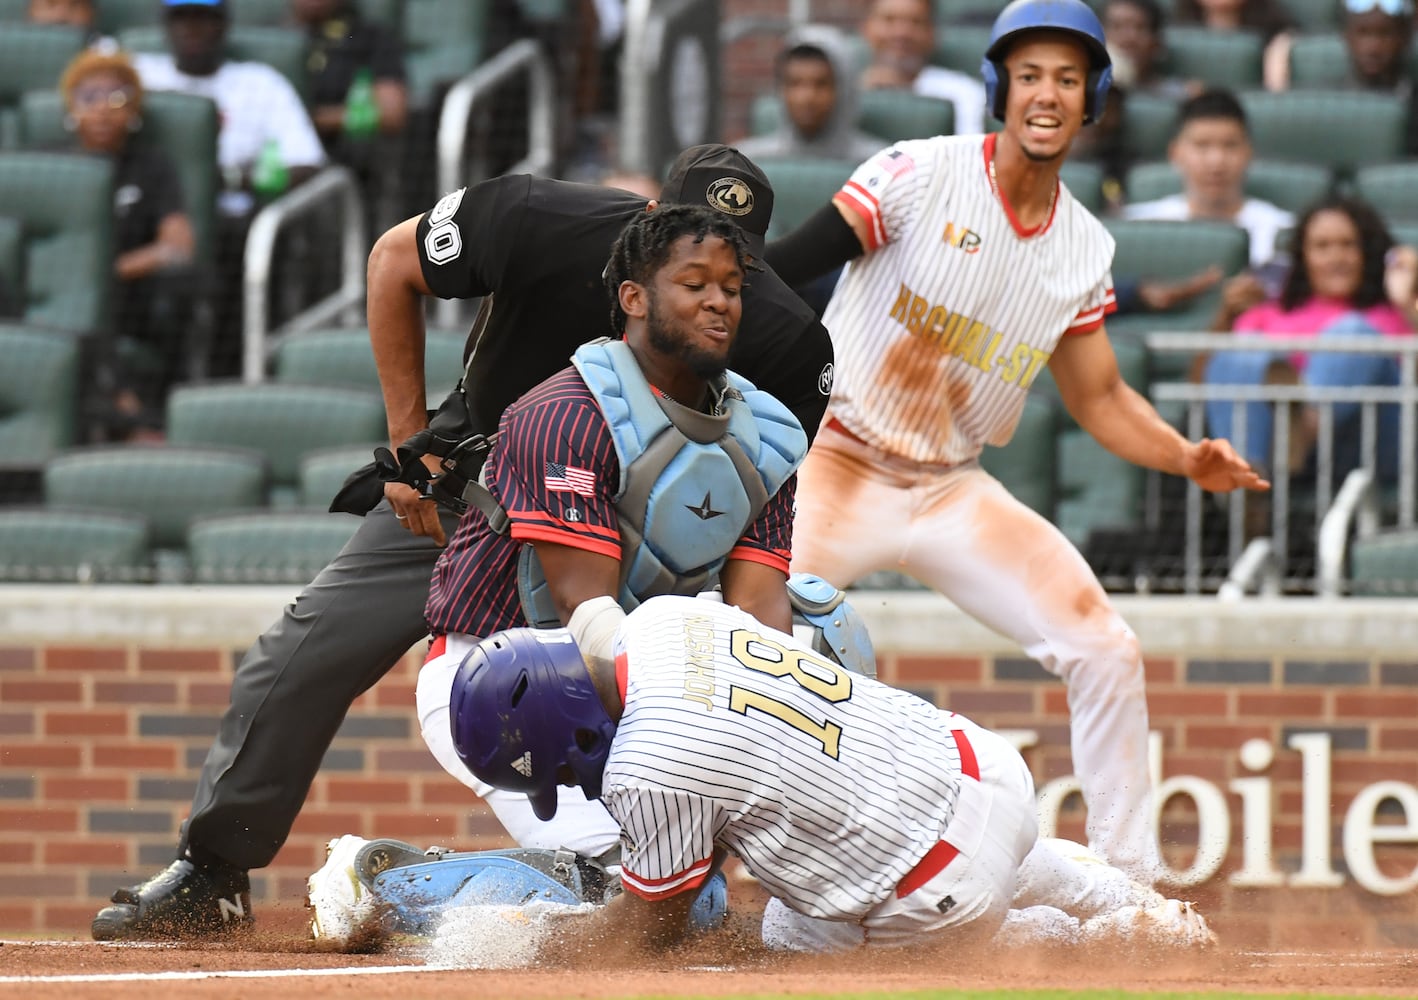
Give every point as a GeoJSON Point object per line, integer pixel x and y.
{"type": "Point", "coordinates": [895, 162]}
{"type": "Point", "coordinates": [569, 479]}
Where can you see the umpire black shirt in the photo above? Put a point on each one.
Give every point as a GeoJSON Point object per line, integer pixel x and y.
{"type": "Point", "coordinates": [540, 247]}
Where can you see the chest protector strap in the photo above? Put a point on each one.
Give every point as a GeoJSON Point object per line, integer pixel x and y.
{"type": "Point", "coordinates": [691, 483]}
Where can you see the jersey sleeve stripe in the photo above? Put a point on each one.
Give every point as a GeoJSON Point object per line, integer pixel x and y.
{"type": "Point", "coordinates": [1091, 319]}
{"type": "Point", "coordinates": [670, 885]}
{"type": "Point", "coordinates": [859, 200]}
{"type": "Point", "coordinates": [571, 539]}
{"type": "Point", "coordinates": [749, 553]}
{"type": "Point", "coordinates": [522, 517]}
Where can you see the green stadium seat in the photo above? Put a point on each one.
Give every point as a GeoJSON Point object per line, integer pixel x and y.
{"type": "Point", "coordinates": [1314, 15]}
{"type": "Point", "coordinates": [12, 261]}
{"type": "Point", "coordinates": [961, 47]}
{"type": "Point", "coordinates": [1084, 180]}
{"type": "Point", "coordinates": [276, 13]}
{"type": "Point", "coordinates": [32, 57]}
{"type": "Point", "coordinates": [444, 40]}
{"type": "Point", "coordinates": [183, 126]}
{"type": "Point", "coordinates": [56, 545]}
{"type": "Point", "coordinates": [1338, 129]}
{"type": "Point", "coordinates": [323, 472]}
{"type": "Point", "coordinates": [899, 114]}
{"type": "Point", "coordinates": [169, 485]}
{"type": "Point", "coordinates": [1097, 489]}
{"type": "Point", "coordinates": [801, 186]}
{"type": "Point", "coordinates": [1322, 60]}
{"type": "Point", "coordinates": [1392, 188]}
{"type": "Point", "coordinates": [280, 420]}
{"type": "Point", "coordinates": [1148, 123]}
{"type": "Point", "coordinates": [282, 48]}
{"type": "Point", "coordinates": [947, 12]}
{"type": "Point", "coordinates": [39, 394]}
{"type": "Point", "coordinates": [1230, 59]}
{"type": "Point", "coordinates": [1173, 250]}
{"type": "Point", "coordinates": [1385, 565]}
{"type": "Point", "coordinates": [1292, 186]}
{"type": "Point", "coordinates": [1405, 231]}
{"type": "Point", "coordinates": [266, 547]}
{"type": "Point", "coordinates": [1026, 465]}
{"type": "Point", "coordinates": [344, 357]}
{"type": "Point", "coordinates": [117, 16]}
{"type": "Point", "coordinates": [64, 203]}
{"type": "Point", "coordinates": [14, 11]}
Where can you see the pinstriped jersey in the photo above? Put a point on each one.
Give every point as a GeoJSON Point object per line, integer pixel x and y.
{"type": "Point", "coordinates": [554, 470]}
{"type": "Point", "coordinates": [943, 326]}
{"type": "Point", "coordinates": [828, 785]}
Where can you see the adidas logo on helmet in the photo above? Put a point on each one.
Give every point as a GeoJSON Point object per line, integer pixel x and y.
{"type": "Point", "coordinates": [523, 765]}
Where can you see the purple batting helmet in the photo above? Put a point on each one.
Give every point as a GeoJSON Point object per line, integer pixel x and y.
{"type": "Point", "coordinates": [522, 708]}
{"type": "Point", "coordinates": [1071, 16]}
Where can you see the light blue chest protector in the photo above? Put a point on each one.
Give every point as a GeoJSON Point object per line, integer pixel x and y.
{"type": "Point", "coordinates": [691, 483]}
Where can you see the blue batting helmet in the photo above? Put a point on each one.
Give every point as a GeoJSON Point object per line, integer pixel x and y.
{"type": "Point", "coordinates": [1072, 16]}
{"type": "Point", "coordinates": [523, 707]}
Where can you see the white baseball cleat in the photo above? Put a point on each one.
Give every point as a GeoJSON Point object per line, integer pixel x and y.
{"type": "Point", "coordinates": [343, 907]}
{"type": "Point", "coordinates": [1171, 924]}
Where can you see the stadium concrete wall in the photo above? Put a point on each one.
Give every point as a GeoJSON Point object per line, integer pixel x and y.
{"type": "Point", "coordinates": [1285, 740]}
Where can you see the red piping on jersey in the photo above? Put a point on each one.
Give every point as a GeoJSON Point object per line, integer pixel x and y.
{"type": "Point", "coordinates": [437, 646]}
{"type": "Point", "coordinates": [747, 553]}
{"type": "Point", "coordinates": [670, 885]}
{"type": "Point", "coordinates": [622, 673]}
{"type": "Point", "coordinates": [989, 149]}
{"type": "Point", "coordinates": [571, 539]}
{"type": "Point", "coordinates": [942, 854]}
{"type": "Point", "coordinates": [521, 517]}
{"type": "Point", "coordinates": [853, 195]}
{"type": "Point", "coordinates": [1087, 322]}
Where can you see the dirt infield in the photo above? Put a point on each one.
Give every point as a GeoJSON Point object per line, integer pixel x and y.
{"type": "Point", "coordinates": [277, 962]}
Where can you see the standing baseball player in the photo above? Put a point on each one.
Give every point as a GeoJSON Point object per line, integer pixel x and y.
{"type": "Point", "coordinates": [643, 469]}
{"type": "Point", "coordinates": [873, 817]}
{"type": "Point", "coordinates": [536, 249]}
{"type": "Point", "coordinates": [972, 267]}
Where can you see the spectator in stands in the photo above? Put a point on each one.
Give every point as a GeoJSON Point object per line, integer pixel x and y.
{"type": "Point", "coordinates": [1267, 18]}
{"type": "Point", "coordinates": [1134, 29]}
{"type": "Point", "coordinates": [901, 35]}
{"type": "Point", "coordinates": [267, 142]}
{"type": "Point", "coordinates": [1336, 287]}
{"type": "Point", "coordinates": [1377, 34]}
{"type": "Point", "coordinates": [351, 59]}
{"type": "Point", "coordinates": [74, 13]}
{"type": "Point", "coordinates": [817, 88]}
{"type": "Point", "coordinates": [1401, 282]}
{"type": "Point", "coordinates": [258, 105]}
{"type": "Point", "coordinates": [152, 233]}
{"type": "Point", "coordinates": [1211, 150]}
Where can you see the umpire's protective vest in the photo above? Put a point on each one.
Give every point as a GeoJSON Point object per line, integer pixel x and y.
{"type": "Point", "coordinates": [691, 483]}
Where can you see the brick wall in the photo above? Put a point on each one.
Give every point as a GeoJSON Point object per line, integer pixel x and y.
{"type": "Point", "coordinates": [101, 742]}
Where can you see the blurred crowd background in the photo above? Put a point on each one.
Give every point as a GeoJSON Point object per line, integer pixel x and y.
{"type": "Point", "coordinates": [189, 188]}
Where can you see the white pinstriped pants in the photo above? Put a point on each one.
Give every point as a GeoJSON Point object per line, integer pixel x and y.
{"type": "Point", "coordinates": [960, 532]}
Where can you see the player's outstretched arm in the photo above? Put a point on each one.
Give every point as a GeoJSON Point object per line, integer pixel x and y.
{"type": "Point", "coordinates": [627, 927]}
{"type": "Point", "coordinates": [394, 307]}
{"type": "Point", "coordinates": [1121, 420]}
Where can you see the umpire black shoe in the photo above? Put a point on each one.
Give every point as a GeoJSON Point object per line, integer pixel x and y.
{"type": "Point", "coordinates": [181, 901]}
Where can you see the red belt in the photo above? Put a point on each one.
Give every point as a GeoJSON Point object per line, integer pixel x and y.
{"type": "Point", "coordinates": [833, 424]}
{"type": "Point", "coordinates": [942, 853]}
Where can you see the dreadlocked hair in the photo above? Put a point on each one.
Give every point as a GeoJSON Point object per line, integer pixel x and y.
{"type": "Point", "coordinates": [643, 247]}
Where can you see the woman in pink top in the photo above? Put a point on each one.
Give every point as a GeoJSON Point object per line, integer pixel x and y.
{"type": "Point", "coordinates": [1335, 287]}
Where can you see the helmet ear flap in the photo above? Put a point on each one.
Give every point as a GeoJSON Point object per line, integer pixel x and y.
{"type": "Point", "coordinates": [996, 83]}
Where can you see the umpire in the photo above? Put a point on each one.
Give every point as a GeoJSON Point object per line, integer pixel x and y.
{"type": "Point", "coordinates": [535, 249]}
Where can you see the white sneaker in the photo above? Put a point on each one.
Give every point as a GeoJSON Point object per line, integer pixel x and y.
{"type": "Point", "coordinates": [1171, 924]}
{"type": "Point", "coordinates": [344, 911]}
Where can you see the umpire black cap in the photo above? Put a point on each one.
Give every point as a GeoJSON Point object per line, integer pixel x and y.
{"type": "Point", "coordinates": [727, 181]}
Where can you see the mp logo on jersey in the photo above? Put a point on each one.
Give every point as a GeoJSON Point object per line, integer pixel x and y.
{"type": "Point", "coordinates": [730, 195]}
{"type": "Point", "coordinates": [961, 238]}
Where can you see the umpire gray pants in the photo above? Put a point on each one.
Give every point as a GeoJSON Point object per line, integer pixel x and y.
{"type": "Point", "coordinates": [291, 691]}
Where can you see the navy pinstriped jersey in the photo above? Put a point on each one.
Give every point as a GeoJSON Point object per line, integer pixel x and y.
{"type": "Point", "coordinates": [828, 785]}
{"type": "Point", "coordinates": [555, 472]}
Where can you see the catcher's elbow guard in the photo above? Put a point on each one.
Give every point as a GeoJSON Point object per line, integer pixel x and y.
{"type": "Point", "coordinates": [824, 619]}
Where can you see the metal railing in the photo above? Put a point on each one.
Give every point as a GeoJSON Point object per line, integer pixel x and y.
{"type": "Point", "coordinates": [472, 92]}
{"type": "Point", "coordinates": [333, 185]}
{"type": "Point", "coordinates": [1194, 396]}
